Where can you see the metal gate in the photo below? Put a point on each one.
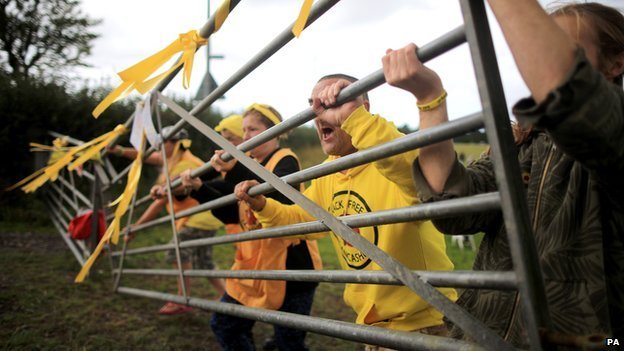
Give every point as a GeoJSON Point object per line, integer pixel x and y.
{"type": "Point", "coordinates": [526, 278]}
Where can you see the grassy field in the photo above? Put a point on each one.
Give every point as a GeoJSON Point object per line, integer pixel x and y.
{"type": "Point", "coordinates": [42, 309]}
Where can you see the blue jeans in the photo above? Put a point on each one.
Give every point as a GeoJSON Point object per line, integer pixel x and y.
{"type": "Point", "coordinates": [234, 333]}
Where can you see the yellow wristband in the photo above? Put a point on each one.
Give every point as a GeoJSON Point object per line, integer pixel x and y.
{"type": "Point", "coordinates": [433, 104]}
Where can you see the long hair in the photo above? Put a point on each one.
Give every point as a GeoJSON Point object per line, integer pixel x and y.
{"type": "Point", "coordinates": [607, 22]}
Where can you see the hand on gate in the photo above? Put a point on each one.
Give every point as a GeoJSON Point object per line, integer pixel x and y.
{"type": "Point", "coordinates": [219, 165]}
{"type": "Point", "coordinates": [324, 98]}
{"type": "Point", "coordinates": [158, 191]}
{"type": "Point", "coordinates": [128, 233]}
{"type": "Point", "coordinates": [257, 202]}
{"type": "Point", "coordinates": [188, 183]}
{"type": "Point", "coordinates": [403, 69]}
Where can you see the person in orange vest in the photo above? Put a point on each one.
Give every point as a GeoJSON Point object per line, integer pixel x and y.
{"type": "Point", "coordinates": [197, 226]}
{"type": "Point", "coordinates": [234, 333]}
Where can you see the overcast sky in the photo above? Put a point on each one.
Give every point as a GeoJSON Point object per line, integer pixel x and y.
{"type": "Point", "coordinates": [350, 38]}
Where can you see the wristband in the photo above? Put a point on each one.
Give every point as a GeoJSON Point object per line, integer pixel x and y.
{"type": "Point", "coordinates": [433, 104]}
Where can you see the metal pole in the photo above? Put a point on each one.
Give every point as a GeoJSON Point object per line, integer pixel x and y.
{"type": "Point", "coordinates": [96, 208]}
{"type": "Point", "coordinates": [440, 209]}
{"type": "Point", "coordinates": [473, 327]}
{"type": "Point", "coordinates": [69, 139]}
{"type": "Point", "coordinates": [456, 279]}
{"type": "Point", "coordinates": [76, 192]}
{"type": "Point", "coordinates": [391, 148]}
{"type": "Point", "coordinates": [348, 331]}
{"type": "Point", "coordinates": [427, 52]}
{"type": "Point", "coordinates": [205, 32]}
{"type": "Point", "coordinates": [505, 160]}
{"type": "Point", "coordinates": [125, 244]}
{"type": "Point", "coordinates": [55, 214]}
{"type": "Point", "coordinates": [280, 41]}
{"type": "Point", "coordinates": [63, 196]}
{"type": "Point", "coordinates": [68, 241]}
{"type": "Point", "coordinates": [59, 203]}
{"type": "Point", "coordinates": [70, 186]}
{"type": "Point", "coordinates": [165, 170]}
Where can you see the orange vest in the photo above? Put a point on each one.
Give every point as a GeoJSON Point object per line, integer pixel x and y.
{"type": "Point", "coordinates": [265, 254]}
{"type": "Point", "coordinates": [189, 161]}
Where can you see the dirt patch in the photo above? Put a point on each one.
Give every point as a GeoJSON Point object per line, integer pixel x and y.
{"type": "Point", "coordinates": [37, 242]}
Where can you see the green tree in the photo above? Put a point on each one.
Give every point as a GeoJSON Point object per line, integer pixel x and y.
{"type": "Point", "coordinates": [43, 38]}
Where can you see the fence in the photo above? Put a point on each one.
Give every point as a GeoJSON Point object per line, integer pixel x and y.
{"type": "Point", "coordinates": [526, 277]}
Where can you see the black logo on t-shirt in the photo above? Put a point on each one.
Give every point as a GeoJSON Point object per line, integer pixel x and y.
{"type": "Point", "coordinates": [346, 203]}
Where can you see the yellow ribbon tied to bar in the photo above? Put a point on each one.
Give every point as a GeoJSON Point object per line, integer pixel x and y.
{"type": "Point", "coordinates": [302, 19]}
{"type": "Point", "coordinates": [122, 202]}
{"type": "Point", "coordinates": [86, 151]}
{"type": "Point", "coordinates": [93, 152]}
{"type": "Point", "coordinates": [136, 77]}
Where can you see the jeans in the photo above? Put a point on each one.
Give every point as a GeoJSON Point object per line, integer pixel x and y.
{"type": "Point", "coordinates": [234, 333]}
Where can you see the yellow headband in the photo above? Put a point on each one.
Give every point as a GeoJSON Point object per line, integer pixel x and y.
{"type": "Point", "coordinates": [233, 123]}
{"type": "Point", "coordinates": [265, 111]}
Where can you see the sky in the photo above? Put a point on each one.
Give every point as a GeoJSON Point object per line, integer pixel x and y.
{"type": "Point", "coordinates": [350, 38]}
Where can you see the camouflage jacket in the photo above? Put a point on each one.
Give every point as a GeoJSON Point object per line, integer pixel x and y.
{"type": "Point", "coordinates": [573, 170]}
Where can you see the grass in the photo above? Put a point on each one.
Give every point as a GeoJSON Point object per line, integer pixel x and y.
{"type": "Point", "coordinates": [42, 309]}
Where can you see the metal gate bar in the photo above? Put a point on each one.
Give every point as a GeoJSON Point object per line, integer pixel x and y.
{"type": "Point", "coordinates": [505, 160]}
{"type": "Point", "coordinates": [441, 209]}
{"type": "Point", "coordinates": [459, 279]}
{"type": "Point", "coordinates": [348, 331]}
{"type": "Point", "coordinates": [64, 234]}
{"type": "Point", "coordinates": [427, 52]}
{"type": "Point", "coordinates": [511, 200]}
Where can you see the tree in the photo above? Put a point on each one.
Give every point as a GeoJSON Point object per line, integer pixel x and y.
{"type": "Point", "coordinates": [43, 37]}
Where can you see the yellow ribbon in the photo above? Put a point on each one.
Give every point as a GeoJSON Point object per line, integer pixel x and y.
{"type": "Point", "coordinates": [302, 19]}
{"type": "Point", "coordinates": [123, 201]}
{"type": "Point", "coordinates": [94, 151]}
{"type": "Point", "coordinates": [42, 147]}
{"type": "Point", "coordinates": [61, 159]}
{"type": "Point", "coordinates": [25, 180]}
{"type": "Point", "coordinates": [136, 77]}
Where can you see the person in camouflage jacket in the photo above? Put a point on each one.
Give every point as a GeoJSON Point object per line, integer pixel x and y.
{"type": "Point", "coordinates": [572, 164]}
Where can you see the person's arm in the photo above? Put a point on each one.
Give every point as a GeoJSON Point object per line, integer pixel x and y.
{"type": "Point", "coordinates": [403, 69]}
{"type": "Point", "coordinates": [271, 213]}
{"type": "Point", "coordinates": [284, 167]}
{"type": "Point", "coordinates": [585, 118]}
{"type": "Point", "coordinates": [155, 158]}
{"type": "Point", "coordinates": [581, 110]}
{"type": "Point", "coordinates": [204, 191]}
{"type": "Point", "coordinates": [368, 130]}
{"type": "Point", "coordinates": [543, 52]}
{"type": "Point", "coordinates": [477, 178]}
{"type": "Point", "coordinates": [152, 211]}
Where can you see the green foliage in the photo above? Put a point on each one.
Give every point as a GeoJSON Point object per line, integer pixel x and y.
{"type": "Point", "coordinates": [31, 108]}
{"type": "Point", "coordinates": [43, 38]}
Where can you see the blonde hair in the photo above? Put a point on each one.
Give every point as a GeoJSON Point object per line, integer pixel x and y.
{"type": "Point", "coordinates": [266, 121]}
